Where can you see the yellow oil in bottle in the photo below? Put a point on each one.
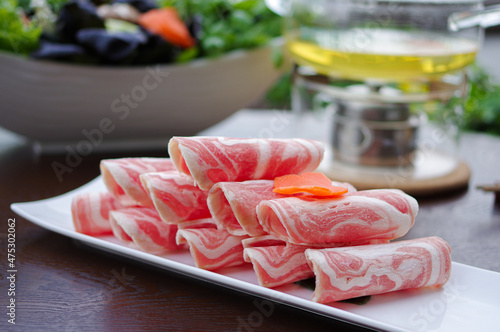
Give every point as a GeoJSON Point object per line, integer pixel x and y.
{"type": "Point", "coordinates": [381, 54]}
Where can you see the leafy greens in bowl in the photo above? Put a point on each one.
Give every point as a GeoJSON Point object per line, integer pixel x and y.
{"type": "Point", "coordinates": [109, 83]}
{"type": "Point", "coordinates": [134, 32]}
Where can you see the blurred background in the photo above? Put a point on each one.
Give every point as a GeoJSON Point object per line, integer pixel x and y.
{"type": "Point", "coordinates": [73, 70]}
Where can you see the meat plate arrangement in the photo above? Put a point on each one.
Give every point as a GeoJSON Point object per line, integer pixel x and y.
{"type": "Point", "coordinates": [235, 201]}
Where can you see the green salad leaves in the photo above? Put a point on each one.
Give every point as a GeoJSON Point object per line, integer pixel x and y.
{"type": "Point", "coordinates": [218, 25]}
{"type": "Point", "coordinates": [482, 109]}
{"type": "Point", "coordinates": [17, 35]}
{"type": "Point", "coordinates": [225, 25]}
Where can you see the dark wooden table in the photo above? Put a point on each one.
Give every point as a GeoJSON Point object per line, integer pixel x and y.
{"type": "Point", "coordinates": [62, 285]}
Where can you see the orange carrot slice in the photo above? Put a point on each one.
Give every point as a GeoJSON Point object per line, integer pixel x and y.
{"type": "Point", "coordinates": [310, 182]}
{"type": "Point", "coordinates": [167, 23]}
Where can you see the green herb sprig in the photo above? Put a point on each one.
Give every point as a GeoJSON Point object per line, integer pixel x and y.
{"type": "Point", "coordinates": [227, 25]}
{"type": "Point", "coordinates": [16, 34]}
{"type": "Point", "coordinates": [482, 108]}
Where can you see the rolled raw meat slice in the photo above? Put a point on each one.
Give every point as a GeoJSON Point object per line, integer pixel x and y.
{"type": "Point", "coordinates": [344, 273]}
{"type": "Point", "coordinates": [198, 223]}
{"type": "Point", "coordinates": [353, 217]}
{"type": "Point", "coordinates": [118, 231]}
{"type": "Point", "coordinates": [233, 204]}
{"type": "Point", "coordinates": [175, 196]}
{"type": "Point", "coordinates": [146, 229]}
{"type": "Point", "coordinates": [278, 265]}
{"type": "Point", "coordinates": [217, 159]}
{"type": "Point", "coordinates": [262, 241]}
{"type": "Point", "coordinates": [212, 248]}
{"type": "Point", "coordinates": [90, 212]}
{"type": "Point", "coordinates": [121, 177]}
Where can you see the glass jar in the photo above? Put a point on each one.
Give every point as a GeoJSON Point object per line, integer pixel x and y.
{"type": "Point", "coordinates": [388, 76]}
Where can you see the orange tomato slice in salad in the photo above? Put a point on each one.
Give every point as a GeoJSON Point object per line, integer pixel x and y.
{"type": "Point", "coordinates": [167, 23]}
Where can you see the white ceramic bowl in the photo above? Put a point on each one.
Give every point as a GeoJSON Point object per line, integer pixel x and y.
{"type": "Point", "coordinates": [57, 104]}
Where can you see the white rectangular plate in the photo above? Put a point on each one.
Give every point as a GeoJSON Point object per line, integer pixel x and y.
{"type": "Point", "coordinates": [470, 301]}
